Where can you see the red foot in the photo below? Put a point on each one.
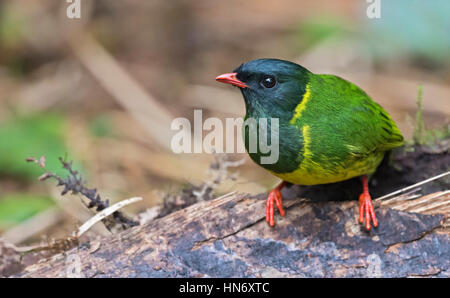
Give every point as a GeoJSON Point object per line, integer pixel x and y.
{"type": "Point", "coordinates": [366, 210]}
{"type": "Point", "coordinates": [273, 198]}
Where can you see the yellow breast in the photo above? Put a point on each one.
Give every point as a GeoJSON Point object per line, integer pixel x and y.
{"type": "Point", "coordinates": [311, 172]}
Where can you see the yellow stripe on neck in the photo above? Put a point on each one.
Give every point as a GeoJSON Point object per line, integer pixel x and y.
{"type": "Point", "coordinates": [301, 106]}
{"type": "Point", "coordinates": [307, 154]}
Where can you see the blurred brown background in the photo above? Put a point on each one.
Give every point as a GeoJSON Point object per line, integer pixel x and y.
{"type": "Point", "coordinates": [103, 89]}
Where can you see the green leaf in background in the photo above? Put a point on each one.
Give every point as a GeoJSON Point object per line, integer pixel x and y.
{"type": "Point", "coordinates": [37, 135]}
{"type": "Point", "coordinates": [15, 208]}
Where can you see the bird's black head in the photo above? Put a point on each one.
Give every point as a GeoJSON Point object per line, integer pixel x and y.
{"type": "Point", "coordinates": [271, 87]}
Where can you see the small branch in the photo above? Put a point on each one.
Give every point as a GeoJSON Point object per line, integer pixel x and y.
{"type": "Point", "coordinates": [75, 184]}
{"type": "Point", "coordinates": [413, 186]}
{"type": "Point", "coordinates": [219, 172]}
{"type": "Point", "coordinates": [104, 213]}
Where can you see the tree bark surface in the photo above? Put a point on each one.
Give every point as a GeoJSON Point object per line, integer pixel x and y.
{"type": "Point", "coordinates": [228, 237]}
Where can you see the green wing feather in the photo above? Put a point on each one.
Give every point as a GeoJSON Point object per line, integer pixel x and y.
{"type": "Point", "coordinates": [369, 126]}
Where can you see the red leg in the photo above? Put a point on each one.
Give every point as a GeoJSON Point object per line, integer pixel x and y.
{"type": "Point", "coordinates": [273, 198]}
{"type": "Point", "coordinates": [366, 210]}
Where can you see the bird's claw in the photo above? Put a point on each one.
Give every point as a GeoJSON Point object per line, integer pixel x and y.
{"type": "Point", "coordinates": [366, 211]}
{"type": "Point", "coordinates": [273, 198]}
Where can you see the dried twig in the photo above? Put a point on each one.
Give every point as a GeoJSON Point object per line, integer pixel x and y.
{"type": "Point", "coordinates": [219, 172]}
{"type": "Point", "coordinates": [104, 213]}
{"type": "Point", "coordinates": [192, 194]}
{"type": "Point", "coordinates": [75, 184]}
{"type": "Point", "coordinates": [53, 247]}
{"type": "Point", "coordinates": [413, 186]}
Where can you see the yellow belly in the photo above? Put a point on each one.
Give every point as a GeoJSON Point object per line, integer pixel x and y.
{"type": "Point", "coordinates": [317, 174]}
{"type": "Point", "coordinates": [311, 172]}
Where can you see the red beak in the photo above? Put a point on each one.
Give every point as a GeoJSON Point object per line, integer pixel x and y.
{"type": "Point", "coordinates": [230, 78]}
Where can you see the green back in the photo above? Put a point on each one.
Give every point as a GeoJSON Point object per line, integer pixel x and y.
{"type": "Point", "coordinates": [345, 124]}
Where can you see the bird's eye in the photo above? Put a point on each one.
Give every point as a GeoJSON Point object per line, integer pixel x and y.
{"type": "Point", "coordinates": [268, 81]}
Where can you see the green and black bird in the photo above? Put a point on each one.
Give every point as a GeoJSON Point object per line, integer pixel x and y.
{"type": "Point", "coordinates": [330, 130]}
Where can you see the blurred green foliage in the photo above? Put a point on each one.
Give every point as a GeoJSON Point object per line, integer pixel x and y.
{"type": "Point", "coordinates": [422, 135]}
{"type": "Point", "coordinates": [15, 208]}
{"type": "Point", "coordinates": [316, 29]}
{"type": "Point", "coordinates": [11, 27]}
{"type": "Point", "coordinates": [11, 39]}
{"type": "Point", "coordinates": [101, 126]}
{"type": "Point", "coordinates": [36, 136]}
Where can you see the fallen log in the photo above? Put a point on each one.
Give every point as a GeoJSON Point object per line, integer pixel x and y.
{"type": "Point", "coordinates": [228, 237]}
